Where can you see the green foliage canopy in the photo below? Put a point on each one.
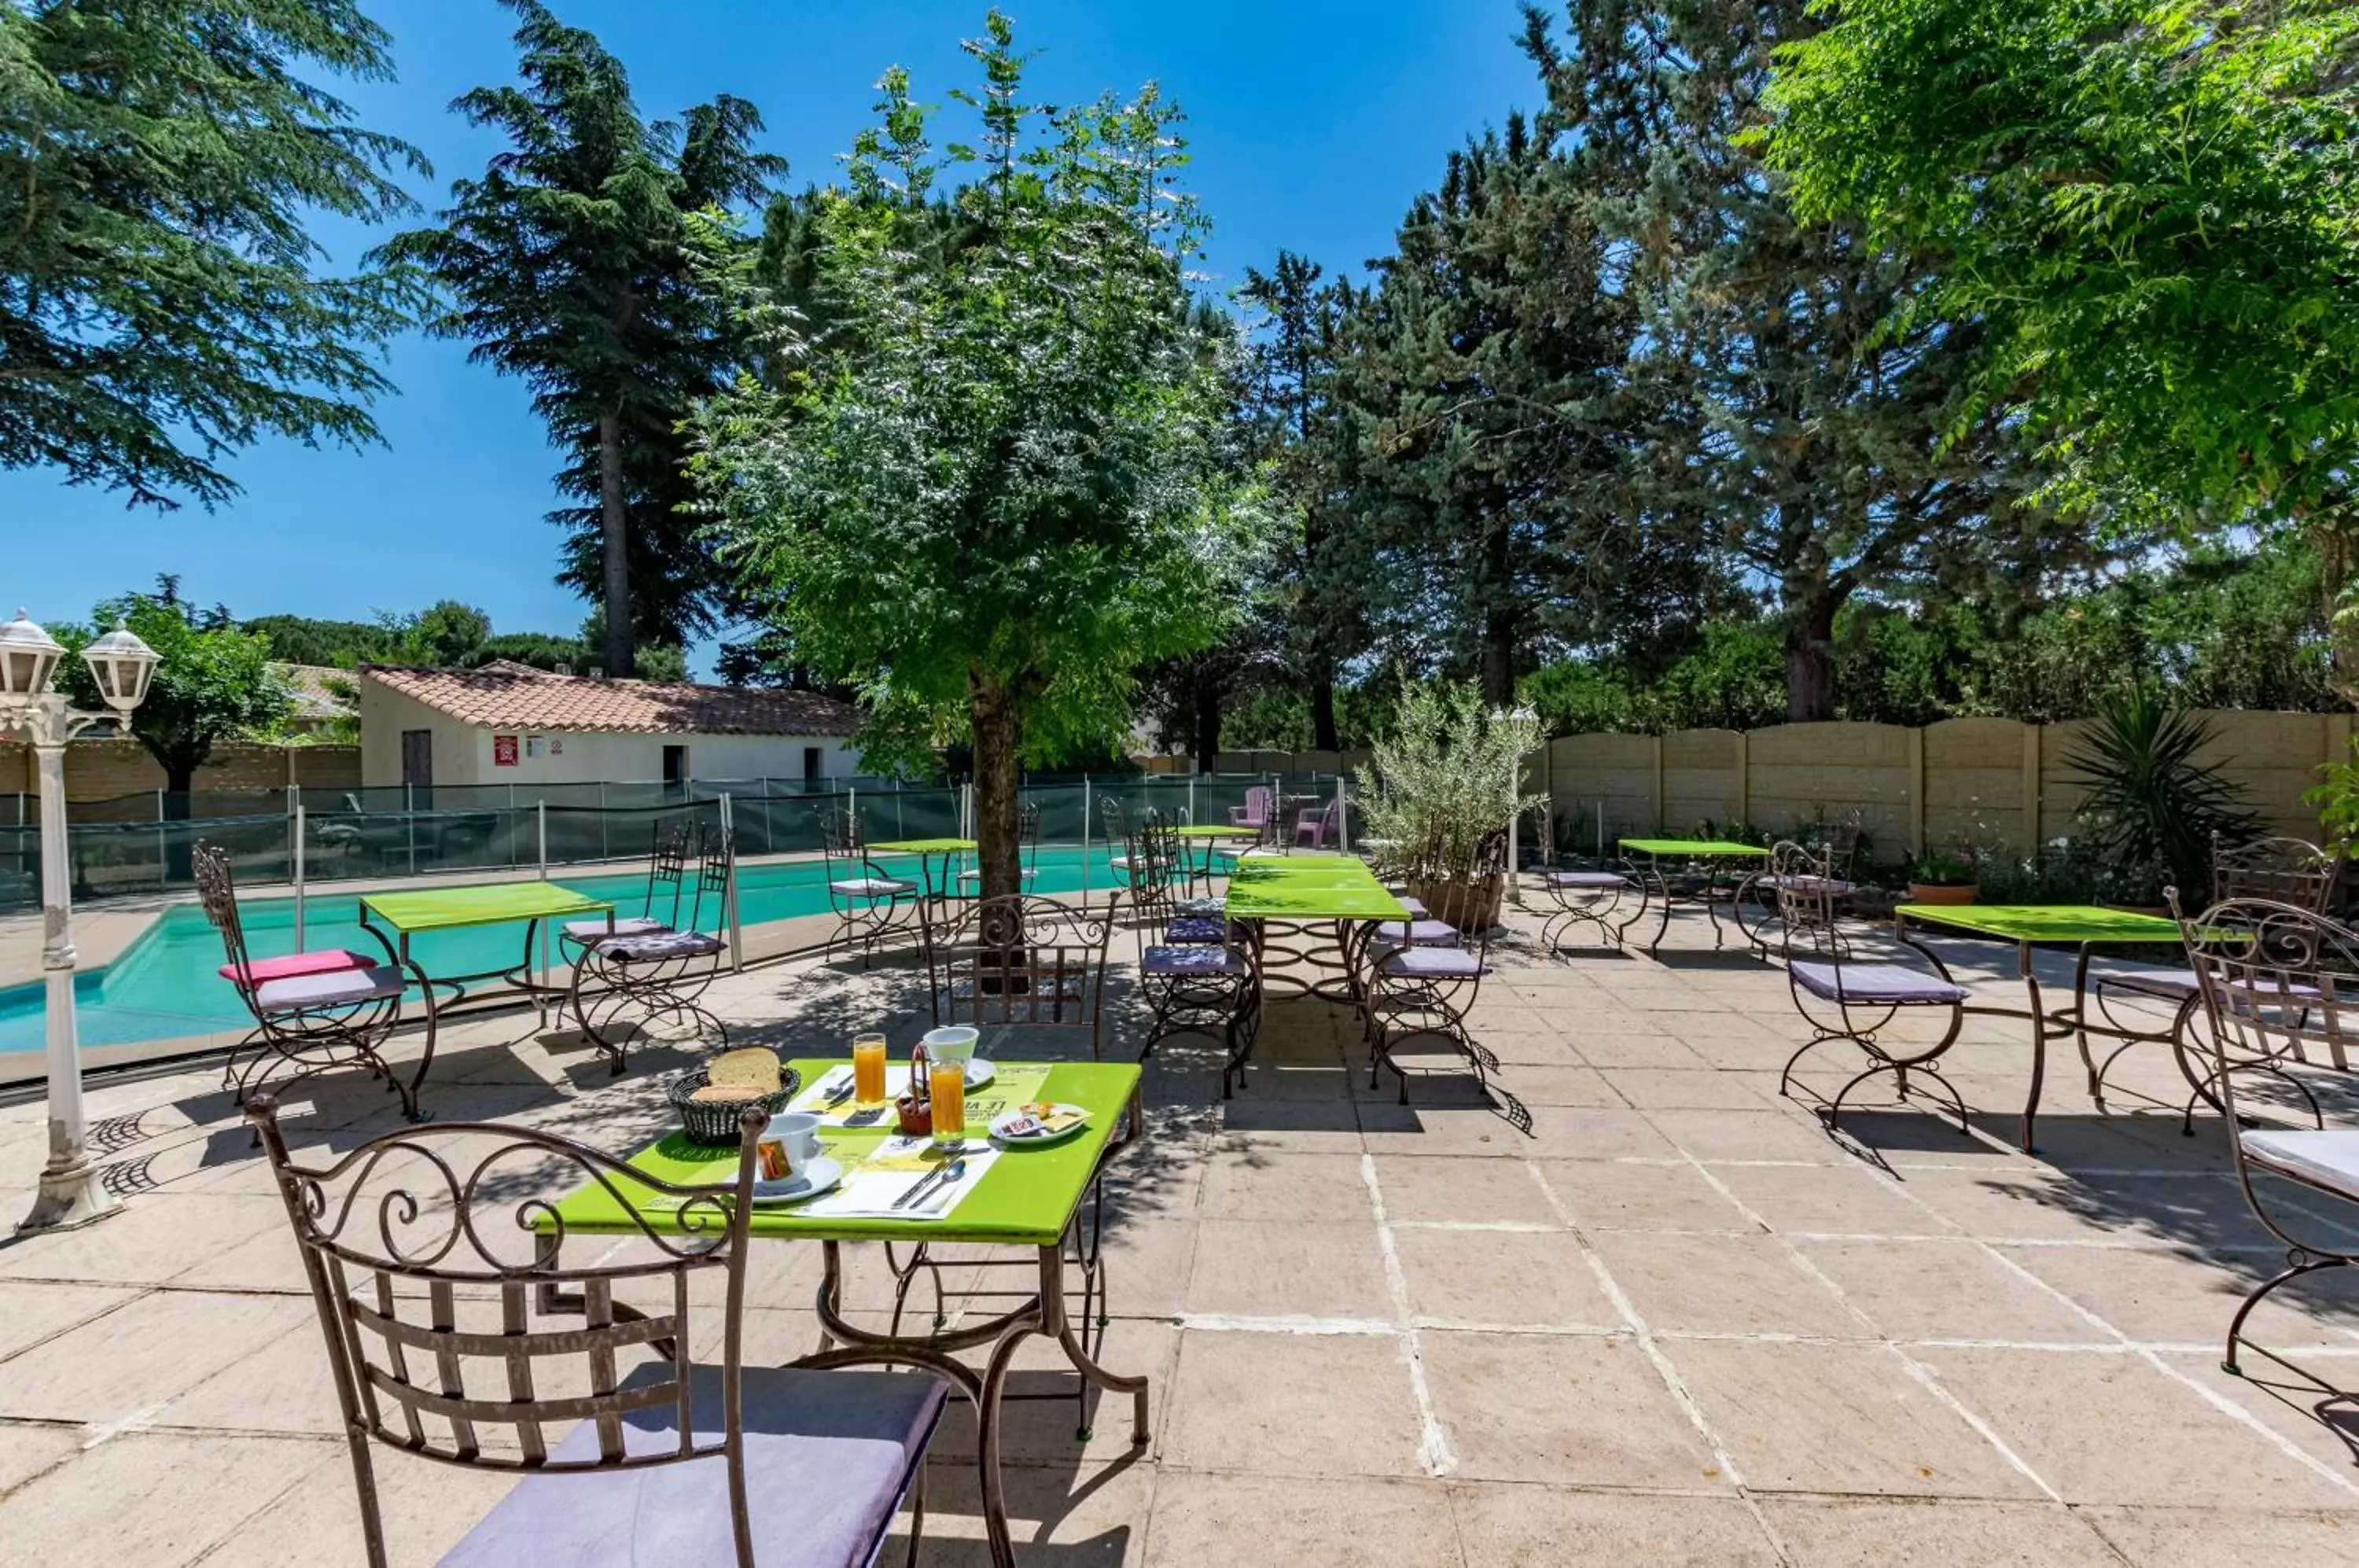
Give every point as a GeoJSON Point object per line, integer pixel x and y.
{"type": "Point", "coordinates": [161, 302]}
{"type": "Point", "coordinates": [999, 485]}
{"type": "Point", "coordinates": [213, 681]}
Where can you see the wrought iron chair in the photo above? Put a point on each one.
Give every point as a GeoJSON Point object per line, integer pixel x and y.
{"type": "Point", "coordinates": [459, 1331]}
{"type": "Point", "coordinates": [1019, 961]}
{"type": "Point", "coordinates": [673, 844]}
{"type": "Point", "coordinates": [2282, 870]}
{"type": "Point", "coordinates": [310, 1020]}
{"type": "Point", "coordinates": [657, 971]}
{"type": "Point", "coordinates": [1589, 897]}
{"type": "Point", "coordinates": [1817, 870]}
{"type": "Point", "coordinates": [2272, 976]}
{"type": "Point", "coordinates": [1027, 840]}
{"type": "Point", "coordinates": [1419, 978]}
{"type": "Point", "coordinates": [1151, 856]}
{"type": "Point", "coordinates": [1844, 1000]}
{"type": "Point", "coordinates": [870, 907]}
{"type": "Point", "coordinates": [1211, 988]}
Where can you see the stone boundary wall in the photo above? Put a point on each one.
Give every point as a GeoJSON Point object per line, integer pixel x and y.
{"type": "Point", "coordinates": [104, 769]}
{"type": "Point", "coordinates": [1911, 789]}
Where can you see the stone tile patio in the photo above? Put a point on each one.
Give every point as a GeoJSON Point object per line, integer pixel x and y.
{"type": "Point", "coordinates": [1674, 1323]}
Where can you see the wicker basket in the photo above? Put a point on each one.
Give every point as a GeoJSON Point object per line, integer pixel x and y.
{"type": "Point", "coordinates": [714, 1123]}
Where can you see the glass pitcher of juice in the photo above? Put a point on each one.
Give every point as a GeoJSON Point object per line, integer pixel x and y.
{"type": "Point", "coordinates": [948, 1085]}
{"type": "Point", "coordinates": [868, 1071]}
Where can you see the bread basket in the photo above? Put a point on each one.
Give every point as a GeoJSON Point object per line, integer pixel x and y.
{"type": "Point", "coordinates": [714, 1123]}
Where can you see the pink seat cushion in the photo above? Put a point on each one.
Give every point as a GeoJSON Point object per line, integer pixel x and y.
{"type": "Point", "coordinates": [327, 960]}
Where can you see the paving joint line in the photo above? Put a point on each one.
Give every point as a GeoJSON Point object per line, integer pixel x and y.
{"type": "Point", "coordinates": [1434, 1447]}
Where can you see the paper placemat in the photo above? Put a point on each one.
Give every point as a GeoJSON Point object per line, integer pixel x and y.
{"type": "Point", "coordinates": [892, 1168]}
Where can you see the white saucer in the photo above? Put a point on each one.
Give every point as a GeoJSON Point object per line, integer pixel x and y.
{"type": "Point", "coordinates": [979, 1072]}
{"type": "Point", "coordinates": [815, 1178]}
{"type": "Point", "coordinates": [999, 1126]}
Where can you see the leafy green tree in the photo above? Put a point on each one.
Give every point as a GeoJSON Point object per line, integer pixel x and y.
{"type": "Point", "coordinates": [2150, 211]}
{"type": "Point", "coordinates": [575, 262]}
{"type": "Point", "coordinates": [302, 639]}
{"type": "Point", "coordinates": [161, 302]}
{"type": "Point", "coordinates": [1797, 413]}
{"type": "Point", "coordinates": [997, 486]}
{"type": "Point", "coordinates": [213, 682]}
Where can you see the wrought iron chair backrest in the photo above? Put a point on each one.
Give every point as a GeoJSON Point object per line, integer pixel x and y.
{"type": "Point", "coordinates": [667, 866]}
{"type": "Point", "coordinates": [1841, 849]}
{"type": "Point", "coordinates": [716, 861]}
{"type": "Point", "coordinates": [1028, 833]}
{"type": "Point", "coordinates": [1155, 865]}
{"type": "Point", "coordinates": [2284, 870]}
{"type": "Point", "coordinates": [839, 835]}
{"type": "Point", "coordinates": [2274, 977]}
{"type": "Point", "coordinates": [217, 893]}
{"type": "Point", "coordinates": [436, 1260]}
{"type": "Point", "coordinates": [1021, 960]}
{"type": "Point", "coordinates": [1806, 897]}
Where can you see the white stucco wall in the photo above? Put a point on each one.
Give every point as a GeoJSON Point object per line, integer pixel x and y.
{"type": "Point", "coordinates": [588, 757]}
{"type": "Point", "coordinates": [385, 713]}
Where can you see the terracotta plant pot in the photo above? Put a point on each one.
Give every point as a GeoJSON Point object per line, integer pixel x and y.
{"type": "Point", "coordinates": [1944, 892]}
{"type": "Point", "coordinates": [1469, 906]}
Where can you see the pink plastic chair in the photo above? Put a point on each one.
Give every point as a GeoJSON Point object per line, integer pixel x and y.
{"type": "Point", "coordinates": [1326, 824]}
{"type": "Point", "coordinates": [1254, 812]}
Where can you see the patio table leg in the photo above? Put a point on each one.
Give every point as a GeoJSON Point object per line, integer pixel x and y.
{"type": "Point", "coordinates": [1663, 925]}
{"type": "Point", "coordinates": [2039, 1037]}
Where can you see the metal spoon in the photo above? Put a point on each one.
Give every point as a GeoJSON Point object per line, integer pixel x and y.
{"type": "Point", "coordinates": [947, 1173]}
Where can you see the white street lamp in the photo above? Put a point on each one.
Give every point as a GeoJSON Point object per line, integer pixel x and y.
{"type": "Point", "coordinates": [1522, 716]}
{"type": "Point", "coordinates": [71, 1191]}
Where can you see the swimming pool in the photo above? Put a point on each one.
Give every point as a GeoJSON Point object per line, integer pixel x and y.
{"type": "Point", "coordinates": [164, 985]}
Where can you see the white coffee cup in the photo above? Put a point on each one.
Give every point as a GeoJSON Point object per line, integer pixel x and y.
{"type": "Point", "coordinates": [794, 1135]}
{"type": "Point", "coordinates": [952, 1042]}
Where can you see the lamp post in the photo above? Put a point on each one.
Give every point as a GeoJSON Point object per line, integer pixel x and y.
{"type": "Point", "coordinates": [71, 1191]}
{"type": "Point", "coordinates": [1523, 715]}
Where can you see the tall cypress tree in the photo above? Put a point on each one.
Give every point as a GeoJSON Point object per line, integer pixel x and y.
{"type": "Point", "coordinates": [573, 262]}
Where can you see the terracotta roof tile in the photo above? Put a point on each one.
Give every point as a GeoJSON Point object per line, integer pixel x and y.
{"type": "Point", "coordinates": [503, 694]}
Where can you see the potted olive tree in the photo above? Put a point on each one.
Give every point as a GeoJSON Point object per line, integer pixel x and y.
{"type": "Point", "coordinates": [1440, 792]}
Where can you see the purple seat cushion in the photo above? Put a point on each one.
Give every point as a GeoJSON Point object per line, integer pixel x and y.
{"type": "Point", "coordinates": [1432, 964]}
{"type": "Point", "coordinates": [2165, 985]}
{"type": "Point", "coordinates": [1599, 879]}
{"type": "Point", "coordinates": [829, 1457]}
{"type": "Point", "coordinates": [1190, 961]}
{"type": "Point", "coordinates": [1808, 885]}
{"type": "Point", "coordinates": [1875, 983]}
{"type": "Point", "coordinates": [1416, 907]}
{"type": "Point", "coordinates": [1418, 933]}
{"type": "Point", "coordinates": [657, 946]}
{"type": "Point", "coordinates": [2328, 1158]}
{"type": "Point", "coordinates": [327, 960]}
{"type": "Point", "coordinates": [595, 931]}
{"type": "Point", "coordinates": [1193, 930]}
{"type": "Point", "coordinates": [339, 988]}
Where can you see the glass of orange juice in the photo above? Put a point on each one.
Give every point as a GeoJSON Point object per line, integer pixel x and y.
{"type": "Point", "coordinates": [947, 1084]}
{"type": "Point", "coordinates": [868, 1070]}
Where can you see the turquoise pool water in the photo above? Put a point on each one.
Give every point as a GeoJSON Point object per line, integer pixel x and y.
{"type": "Point", "coordinates": [164, 987]}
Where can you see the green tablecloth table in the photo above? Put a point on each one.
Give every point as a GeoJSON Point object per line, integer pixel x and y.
{"type": "Point", "coordinates": [530, 904]}
{"type": "Point", "coordinates": [1289, 901]}
{"type": "Point", "coordinates": [945, 853]}
{"type": "Point", "coordinates": [1717, 856]}
{"type": "Point", "coordinates": [1029, 1198]}
{"type": "Point", "coordinates": [2081, 927]}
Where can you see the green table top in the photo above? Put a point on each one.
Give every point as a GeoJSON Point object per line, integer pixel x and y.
{"type": "Point", "coordinates": [2045, 922]}
{"type": "Point", "coordinates": [1702, 847]}
{"type": "Point", "coordinates": [924, 846]}
{"type": "Point", "coordinates": [1310, 888]}
{"type": "Point", "coordinates": [1025, 1199]}
{"type": "Point", "coordinates": [447, 908]}
{"type": "Point", "coordinates": [1214, 830]}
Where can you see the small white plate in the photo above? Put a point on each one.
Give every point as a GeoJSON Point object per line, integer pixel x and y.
{"type": "Point", "coordinates": [979, 1072]}
{"type": "Point", "coordinates": [999, 1129]}
{"type": "Point", "coordinates": [815, 1178]}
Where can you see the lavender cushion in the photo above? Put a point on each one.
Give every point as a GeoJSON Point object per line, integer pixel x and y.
{"type": "Point", "coordinates": [596, 930]}
{"type": "Point", "coordinates": [2328, 1158]}
{"type": "Point", "coordinates": [2166, 984]}
{"type": "Point", "coordinates": [1416, 907]}
{"type": "Point", "coordinates": [1418, 933]}
{"type": "Point", "coordinates": [1197, 929]}
{"type": "Point", "coordinates": [1190, 961]}
{"type": "Point", "coordinates": [1432, 964]}
{"type": "Point", "coordinates": [342, 989]}
{"type": "Point", "coordinates": [1875, 983]}
{"type": "Point", "coordinates": [874, 886]}
{"type": "Point", "coordinates": [1598, 879]}
{"type": "Point", "coordinates": [829, 1457]}
{"type": "Point", "coordinates": [328, 961]}
{"type": "Point", "coordinates": [655, 946]}
{"type": "Point", "coordinates": [1808, 885]}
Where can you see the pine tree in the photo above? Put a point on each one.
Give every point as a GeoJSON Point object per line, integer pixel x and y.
{"type": "Point", "coordinates": [576, 261]}
{"type": "Point", "coordinates": [160, 300]}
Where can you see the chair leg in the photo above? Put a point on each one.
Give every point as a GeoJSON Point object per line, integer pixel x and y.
{"type": "Point", "coordinates": [2299, 1263]}
{"type": "Point", "coordinates": [917, 1511]}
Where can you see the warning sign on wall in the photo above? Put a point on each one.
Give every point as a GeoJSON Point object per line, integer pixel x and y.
{"type": "Point", "coordinates": [504, 751]}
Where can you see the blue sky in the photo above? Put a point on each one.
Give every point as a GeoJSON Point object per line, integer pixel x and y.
{"type": "Point", "coordinates": [1313, 124]}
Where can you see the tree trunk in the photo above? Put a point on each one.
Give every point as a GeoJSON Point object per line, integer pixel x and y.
{"type": "Point", "coordinates": [615, 531]}
{"type": "Point", "coordinates": [179, 781]}
{"type": "Point", "coordinates": [999, 729]}
{"type": "Point", "coordinates": [1322, 708]}
{"type": "Point", "coordinates": [1498, 620]}
{"type": "Point", "coordinates": [1207, 726]}
{"type": "Point", "coordinates": [1810, 659]}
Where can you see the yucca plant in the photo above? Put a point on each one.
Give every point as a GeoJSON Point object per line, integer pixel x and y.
{"type": "Point", "coordinates": [1448, 778]}
{"type": "Point", "coordinates": [2152, 809]}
